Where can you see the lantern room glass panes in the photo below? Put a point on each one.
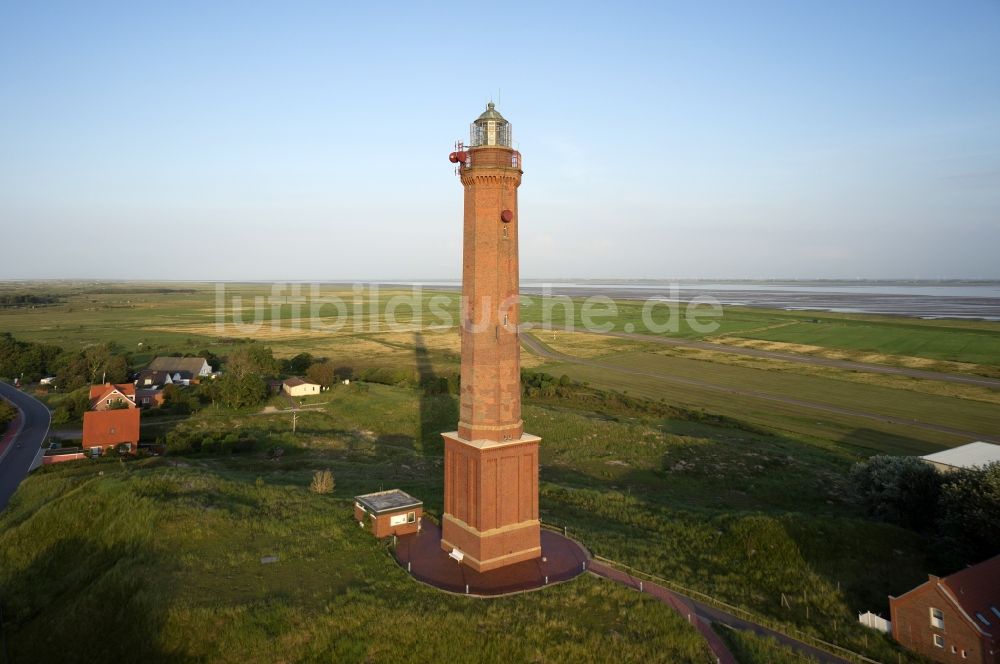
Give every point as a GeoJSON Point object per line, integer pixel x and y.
{"type": "Point", "coordinates": [490, 128]}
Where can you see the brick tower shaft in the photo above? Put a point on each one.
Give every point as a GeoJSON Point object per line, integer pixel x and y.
{"type": "Point", "coordinates": [491, 465]}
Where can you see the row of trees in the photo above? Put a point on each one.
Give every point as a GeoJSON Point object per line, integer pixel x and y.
{"type": "Point", "coordinates": [13, 301]}
{"type": "Point", "coordinates": [958, 508]}
{"type": "Point", "coordinates": [72, 368]}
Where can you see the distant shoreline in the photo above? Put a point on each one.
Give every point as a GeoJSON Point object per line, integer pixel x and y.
{"type": "Point", "coordinates": [926, 299]}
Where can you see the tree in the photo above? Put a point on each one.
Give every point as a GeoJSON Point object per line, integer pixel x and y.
{"type": "Point", "coordinates": [970, 511]}
{"type": "Point", "coordinates": [251, 359]}
{"type": "Point", "coordinates": [322, 482]}
{"type": "Point", "coordinates": [322, 373]}
{"type": "Point", "coordinates": [179, 400]}
{"type": "Point", "coordinates": [32, 359]}
{"type": "Point", "coordinates": [298, 364]}
{"type": "Point", "coordinates": [241, 391]}
{"type": "Point", "coordinates": [90, 366]}
{"type": "Point", "coordinates": [901, 490]}
{"type": "Point", "coordinates": [72, 407]}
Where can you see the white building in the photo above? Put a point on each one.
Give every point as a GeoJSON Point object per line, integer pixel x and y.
{"type": "Point", "coordinates": [973, 455]}
{"type": "Point", "coordinates": [296, 387]}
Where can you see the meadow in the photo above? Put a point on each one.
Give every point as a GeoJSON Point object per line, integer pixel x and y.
{"type": "Point", "coordinates": [742, 515]}
{"type": "Point", "coordinates": [739, 497]}
{"type": "Point", "coordinates": [160, 561]}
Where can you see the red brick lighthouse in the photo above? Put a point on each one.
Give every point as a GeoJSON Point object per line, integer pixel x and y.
{"type": "Point", "coordinates": [491, 466]}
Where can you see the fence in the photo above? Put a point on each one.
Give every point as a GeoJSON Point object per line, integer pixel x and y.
{"type": "Point", "coordinates": [743, 614]}
{"type": "Point", "coordinates": [875, 622]}
{"type": "Point", "coordinates": [739, 612]}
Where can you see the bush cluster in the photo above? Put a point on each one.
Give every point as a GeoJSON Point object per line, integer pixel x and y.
{"type": "Point", "coordinates": [202, 442]}
{"type": "Point", "coordinates": [959, 507]}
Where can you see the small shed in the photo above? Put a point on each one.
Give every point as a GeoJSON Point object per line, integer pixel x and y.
{"type": "Point", "coordinates": [392, 512]}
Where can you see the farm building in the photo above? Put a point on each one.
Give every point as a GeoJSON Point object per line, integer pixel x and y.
{"type": "Point", "coordinates": [952, 619]}
{"type": "Point", "coordinates": [182, 370]}
{"type": "Point", "coordinates": [296, 387]}
{"type": "Point", "coordinates": [392, 512]}
{"type": "Point", "coordinates": [110, 430]}
{"type": "Point", "coordinates": [973, 455]}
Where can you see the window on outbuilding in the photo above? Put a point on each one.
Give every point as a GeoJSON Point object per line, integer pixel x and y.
{"type": "Point", "coordinates": [411, 517]}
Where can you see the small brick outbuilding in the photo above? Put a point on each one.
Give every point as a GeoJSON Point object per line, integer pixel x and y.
{"type": "Point", "coordinates": [392, 512]}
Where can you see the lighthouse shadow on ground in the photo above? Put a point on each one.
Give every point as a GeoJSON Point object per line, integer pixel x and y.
{"type": "Point", "coordinates": [438, 407]}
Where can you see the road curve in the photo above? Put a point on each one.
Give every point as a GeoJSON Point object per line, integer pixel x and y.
{"type": "Point", "coordinates": [537, 347]}
{"type": "Point", "coordinates": [35, 419]}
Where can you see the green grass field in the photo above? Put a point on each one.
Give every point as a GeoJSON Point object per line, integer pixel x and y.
{"type": "Point", "coordinates": [746, 509]}
{"type": "Point", "coordinates": [648, 375]}
{"type": "Point", "coordinates": [687, 500]}
{"type": "Point", "coordinates": [158, 561]}
{"type": "Point", "coordinates": [136, 313]}
{"type": "Point", "coordinates": [753, 649]}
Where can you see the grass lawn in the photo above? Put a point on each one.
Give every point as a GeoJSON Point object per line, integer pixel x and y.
{"type": "Point", "coordinates": [161, 561]}
{"type": "Point", "coordinates": [648, 375]}
{"type": "Point", "coordinates": [751, 648]}
{"type": "Point", "coordinates": [742, 515]}
{"type": "Point", "coordinates": [163, 555]}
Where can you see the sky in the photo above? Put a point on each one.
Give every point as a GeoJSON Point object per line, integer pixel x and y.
{"type": "Point", "coordinates": [293, 140]}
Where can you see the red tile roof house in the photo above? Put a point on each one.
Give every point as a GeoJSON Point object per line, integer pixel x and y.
{"type": "Point", "coordinates": [108, 428]}
{"type": "Point", "coordinates": [952, 619]}
{"type": "Point", "coordinates": [108, 396]}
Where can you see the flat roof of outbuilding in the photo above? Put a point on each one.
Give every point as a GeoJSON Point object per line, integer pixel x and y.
{"type": "Point", "coordinates": [388, 501]}
{"type": "Point", "coordinates": [966, 456]}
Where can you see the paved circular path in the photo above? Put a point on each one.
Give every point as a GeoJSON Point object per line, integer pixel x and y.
{"type": "Point", "coordinates": [422, 555]}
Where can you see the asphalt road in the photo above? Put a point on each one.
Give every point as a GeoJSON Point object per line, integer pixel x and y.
{"type": "Point", "coordinates": [34, 429]}
{"type": "Point", "coordinates": [537, 347]}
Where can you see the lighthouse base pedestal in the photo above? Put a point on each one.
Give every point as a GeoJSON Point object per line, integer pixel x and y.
{"type": "Point", "coordinates": [491, 501]}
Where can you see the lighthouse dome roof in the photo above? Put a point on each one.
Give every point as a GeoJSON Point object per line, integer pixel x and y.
{"type": "Point", "coordinates": [491, 113]}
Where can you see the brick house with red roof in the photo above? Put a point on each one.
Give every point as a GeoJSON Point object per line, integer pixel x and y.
{"type": "Point", "coordinates": [952, 619]}
{"type": "Point", "coordinates": [112, 421]}
{"type": "Point", "coordinates": [108, 396]}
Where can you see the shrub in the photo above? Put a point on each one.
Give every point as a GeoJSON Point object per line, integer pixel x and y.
{"type": "Point", "coordinates": [244, 445]}
{"type": "Point", "coordinates": [900, 490]}
{"type": "Point", "coordinates": [7, 414]}
{"type": "Point", "coordinates": [322, 482]}
{"type": "Point", "coordinates": [388, 376]}
{"type": "Point", "coordinates": [970, 503]}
